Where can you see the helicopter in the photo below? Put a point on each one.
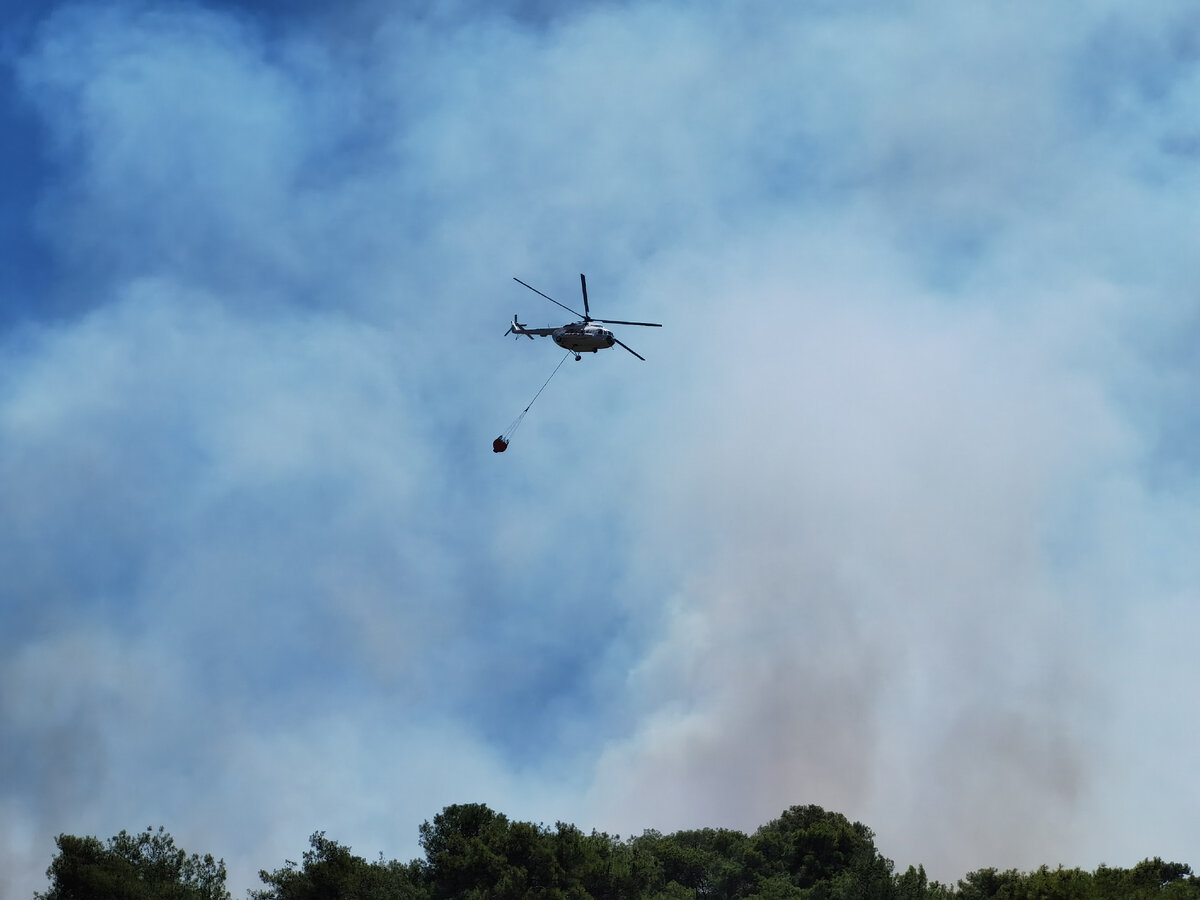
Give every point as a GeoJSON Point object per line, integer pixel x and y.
{"type": "Point", "coordinates": [585, 336]}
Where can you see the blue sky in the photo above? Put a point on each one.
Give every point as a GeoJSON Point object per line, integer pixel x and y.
{"type": "Point", "coordinates": [898, 517]}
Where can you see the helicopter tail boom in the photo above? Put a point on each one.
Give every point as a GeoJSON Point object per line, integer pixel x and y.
{"type": "Point", "coordinates": [519, 329]}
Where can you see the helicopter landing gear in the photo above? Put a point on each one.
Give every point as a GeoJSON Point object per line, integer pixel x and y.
{"type": "Point", "coordinates": [578, 357]}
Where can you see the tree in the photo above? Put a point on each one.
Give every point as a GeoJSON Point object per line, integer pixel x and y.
{"type": "Point", "coordinates": [822, 851]}
{"type": "Point", "coordinates": [913, 884]}
{"type": "Point", "coordinates": [473, 853]}
{"type": "Point", "coordinates": [463, 850]}
{"type": "Point", "coordinates": [147, 866]}
{"type": "Point", "coordinates": [709, 861]}
{"type": "Point", "coordinates": [331, 872]}
{"type": "Point", "coordinates": [987, 883]}
{"type": "Point", "coordinates": [627, 870]}
{"type": "Point", "coordinates": [1149, 878]}
{"type": "Point", "coordinates": [1059, 884]}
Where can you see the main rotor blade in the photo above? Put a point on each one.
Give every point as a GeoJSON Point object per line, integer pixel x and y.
{"type": "Point", "coordinates": [586, 311]}
{"type": "Point", "coordinates": [619, 322]}
{"type": "Point", "coordinates": [631, 350]}
{"type": "Point", "coordinates": [547, 296]}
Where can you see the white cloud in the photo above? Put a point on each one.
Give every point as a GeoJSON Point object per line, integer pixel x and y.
{"type": "Point", "coordinates": [884, 523]}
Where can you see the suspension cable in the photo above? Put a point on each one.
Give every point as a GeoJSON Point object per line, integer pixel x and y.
{"type": "Point", "coordinates": [500, 444]}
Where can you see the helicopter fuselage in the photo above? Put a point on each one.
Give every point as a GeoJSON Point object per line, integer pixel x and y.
{"type": "Point", "coordinates": [583, 337]}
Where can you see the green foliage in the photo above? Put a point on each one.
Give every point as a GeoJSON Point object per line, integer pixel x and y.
{"type": "Point", "coordinates": [777, 887]}
{"type": "Point", "coordinates": [1059, 884]}
{"type": "Point", "coordinates": [823, 853]}
{"type": "Point", "coordinates": [708, 862]}
{"type": "Point", "coordinates": [987, 883]}
{"type": "Point", "coordinates": [1151, 878]}
{"type": "Point", "coordinates": [474, 853]}
{"type": "Point", "coordinates": [331, 872]}
{"type": "Point", "coordinates": [914, 884]}
{"type": "Point", "coordinates": [627, 871]}
{"type": "Point", "coordinates": [147, 866]}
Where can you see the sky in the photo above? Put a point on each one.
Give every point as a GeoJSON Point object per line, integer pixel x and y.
{"type": "Point", "coordinates": [898, 517]}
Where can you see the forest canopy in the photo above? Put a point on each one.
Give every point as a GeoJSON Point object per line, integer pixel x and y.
{"type": "Point", "coordinates": [474, 853]}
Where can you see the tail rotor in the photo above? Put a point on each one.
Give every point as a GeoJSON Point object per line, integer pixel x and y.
{"type": "Point", "coordinates": [516, 328]}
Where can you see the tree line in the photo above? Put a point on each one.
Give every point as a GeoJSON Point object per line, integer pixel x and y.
{"type": "Point", "coordinates": [474, 853]}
